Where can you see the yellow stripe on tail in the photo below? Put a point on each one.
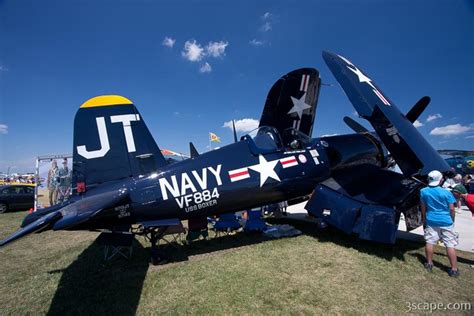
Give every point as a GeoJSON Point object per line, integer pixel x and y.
{"type": "Point", "coordinates": [106, 100]}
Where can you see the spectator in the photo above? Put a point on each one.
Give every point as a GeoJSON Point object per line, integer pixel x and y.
{"type": "Point", "coordinates": [64, 186]}
{"type": "Point", "coordinates": [457, 180]}
{"type": "Point", "coordinates": [449, 183]}
{"type": "Point", "coordinates": [468, 183]}
{"type": "Point", "coordinates": [460, 192]}
{"type": "Point", "coordinates": [437, 210]}
{"type": "Point", "coordinates": [467, 179]}
{"type": "Point", "coordinates": [52, 183]}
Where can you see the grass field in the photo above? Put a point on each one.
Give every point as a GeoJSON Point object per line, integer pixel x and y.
{"type": "Point", "coordinates": [317, 272]}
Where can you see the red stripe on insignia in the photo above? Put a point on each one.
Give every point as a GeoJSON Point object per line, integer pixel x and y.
{"type": "Point", "coordinates": [289, 162]}
{"type": "Point", "coordinates": [306, 83]}
{"type": "Point", "coordinates": [293, 160]}
{"type": "Point", "coordinates": [238, 174]}
{"type": "Point", "coordinates": [381, 97]}
{"type": "Point", "coordinates": [302, 83]}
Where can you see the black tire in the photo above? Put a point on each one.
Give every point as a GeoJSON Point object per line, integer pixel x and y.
{"type": "Point", "coordinates": [3, 207]}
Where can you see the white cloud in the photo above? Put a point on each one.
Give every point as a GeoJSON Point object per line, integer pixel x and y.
{"type": "Point", "coordinates": [169, 42]}
{"type": "Point", "coordinates": [3, 129]}
{"type": "Point", "coordinates": [329, 135]}
{"type": "Point", "coordinates": [256, 42]}
{"type": "Point", "coordinates": [205, 68]}
{"type": "Point", "coordinates": [243, 125]}
{"type": "Point", "coordinates": [266, 16]}
{"type": "Point", "coordinates": [193, 51]}
{"type": "Point", "coordinates": [267, 20]}
{"type": "Point", "coordinates": [450, 130]}
{"type": "Point", "coordinates": [418, 124]}
{"type": "Point", "coordinates": [469, 137]}
{"type": "Point", "coordinates": [433, 117]}
{"type": "Point", "coordinates": [267, 26]}
{"type": "Point", "coordinates": [216, 49]}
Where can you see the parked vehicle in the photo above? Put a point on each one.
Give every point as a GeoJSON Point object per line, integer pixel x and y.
{"type": "Point", "coordinates": [16, 197]}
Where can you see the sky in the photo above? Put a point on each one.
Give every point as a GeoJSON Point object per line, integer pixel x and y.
{"type": "Point", "coordinates": [192, 66]}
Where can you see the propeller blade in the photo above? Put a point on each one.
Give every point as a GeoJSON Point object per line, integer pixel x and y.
{"type": "Point", "coordinates": [417, 109]}
{"type": "Point", "coordinates": [356, 127]}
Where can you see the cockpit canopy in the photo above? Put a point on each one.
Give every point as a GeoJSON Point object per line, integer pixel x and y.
{"type": "Point", "coordinates": [266, 139]}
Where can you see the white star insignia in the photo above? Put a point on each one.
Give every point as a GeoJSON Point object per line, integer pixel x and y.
{"type": "Point", "coordinates": [266, 169]}
{"type": "Point", "coordinates": [299, 106]}
{"type": "Point", "coordinates": [361, 76]}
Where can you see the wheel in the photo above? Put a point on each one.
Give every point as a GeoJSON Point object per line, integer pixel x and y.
{"type": "Point", "coordinates": [3, 207]}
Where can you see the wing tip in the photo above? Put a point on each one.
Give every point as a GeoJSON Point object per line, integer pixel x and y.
{"type": "Point", "coordinates": [327, 54]}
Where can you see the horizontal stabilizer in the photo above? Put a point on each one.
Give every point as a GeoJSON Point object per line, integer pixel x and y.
{"type": "Point", "coordinates": [91, 207]}
{"type": "Point", "coordinates": [41, 223]}
{"type": "Point", "coordinates": [104, 204]}
{"type": "Point", "coordinates": [413, 154]}
{"type": "Point", "coordinates": [77, 212]}
{"type": "Point", "coordinates": [418, 109]}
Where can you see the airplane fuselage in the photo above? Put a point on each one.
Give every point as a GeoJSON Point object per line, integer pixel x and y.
{"type": "Point", "coordinates": [228, 179]}
{"type": "Point", "coordinates": [236, 177]}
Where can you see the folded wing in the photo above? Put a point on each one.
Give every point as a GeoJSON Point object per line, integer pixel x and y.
{"type": "Point", "coordinates": [292, 101]}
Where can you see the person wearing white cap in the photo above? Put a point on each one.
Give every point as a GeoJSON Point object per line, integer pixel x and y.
{"type": "Point", "coordinates": [437, 210]}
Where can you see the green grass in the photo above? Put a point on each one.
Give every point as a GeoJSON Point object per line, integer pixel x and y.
{"type": "Point", "coordinates": [317, 272]}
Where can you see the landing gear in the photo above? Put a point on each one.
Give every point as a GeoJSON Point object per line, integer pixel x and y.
{"type": "Point", "coordinates": [322, 224]}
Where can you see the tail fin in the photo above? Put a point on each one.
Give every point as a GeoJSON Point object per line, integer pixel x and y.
{"type": "Point", "coordinates": [292, 101]}
{"type": "Point", "coordinates": [413, 154]}
{"type": "Point", "coordinates": [111, 142]}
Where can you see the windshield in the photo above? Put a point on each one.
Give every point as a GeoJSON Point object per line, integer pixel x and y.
{"type": "Point", "coordinates": [266, 139]}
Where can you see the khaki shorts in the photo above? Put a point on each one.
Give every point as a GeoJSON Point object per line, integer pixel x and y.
{"type": "Point", "coordinates": [447, 234]}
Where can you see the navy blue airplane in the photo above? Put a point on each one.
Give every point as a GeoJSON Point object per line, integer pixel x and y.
{"type": "Point", "coordinates": [122, 183]}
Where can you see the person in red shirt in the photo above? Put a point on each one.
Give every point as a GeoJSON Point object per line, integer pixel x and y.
{"type": "Point", "coordinates": [460, 191]}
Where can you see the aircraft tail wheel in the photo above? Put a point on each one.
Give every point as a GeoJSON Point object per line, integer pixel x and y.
{"type": "Point", "coordinates": [322, 225]}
